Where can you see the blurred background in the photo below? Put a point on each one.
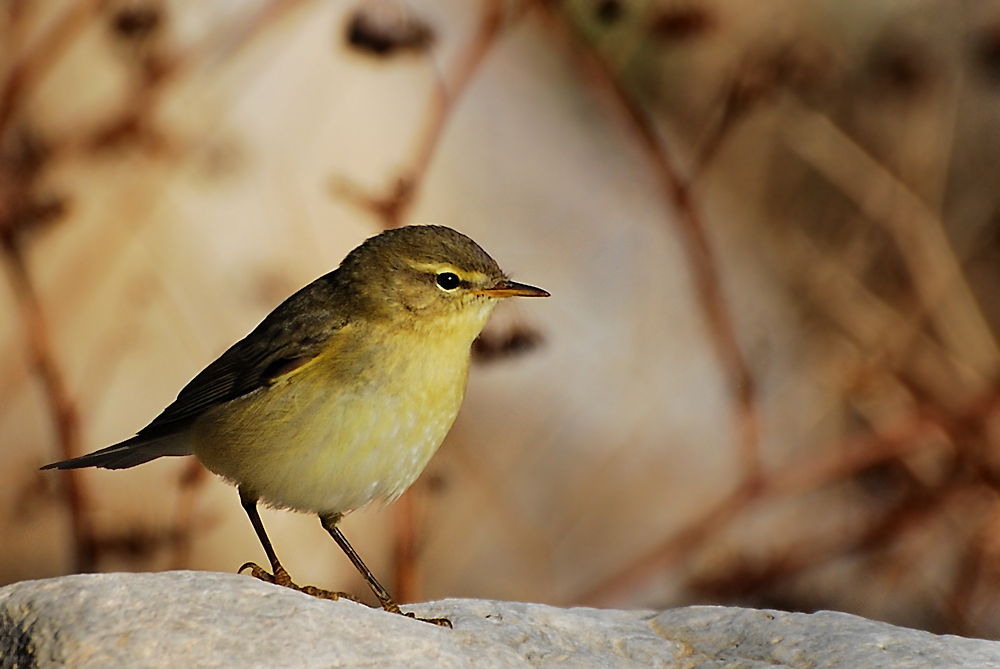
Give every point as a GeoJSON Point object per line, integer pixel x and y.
{"type": "Point", "coordinates": [768, 372]}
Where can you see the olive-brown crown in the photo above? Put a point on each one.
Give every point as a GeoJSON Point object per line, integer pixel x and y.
{"type": "Point", "coordinates": [423, 268]}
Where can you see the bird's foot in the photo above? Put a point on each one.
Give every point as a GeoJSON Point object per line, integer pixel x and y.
{"type": "Point", "coordinates": [392, 607]}
{"type": "Point", "coordinates": [281, 577]}
{"type": "Point", "coordinates": [440, 622]}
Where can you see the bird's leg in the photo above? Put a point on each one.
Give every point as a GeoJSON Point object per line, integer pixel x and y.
{"type": "Point", "coordinates": [329, 522]}
{"type": "Point", "coordinates": [278, 575]}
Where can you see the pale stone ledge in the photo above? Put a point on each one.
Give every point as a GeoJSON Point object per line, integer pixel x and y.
{"type": "Point", "coordinates": [200, 619]}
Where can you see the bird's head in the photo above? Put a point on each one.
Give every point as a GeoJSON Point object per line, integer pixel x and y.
{"type": "Point", "coordinates": [429, 276]}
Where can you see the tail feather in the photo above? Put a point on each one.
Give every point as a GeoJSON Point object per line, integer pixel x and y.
{"type": "Point", "coordinates": [128, 453]}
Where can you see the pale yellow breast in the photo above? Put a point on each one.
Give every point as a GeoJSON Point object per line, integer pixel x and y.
{"type": "Point", "coordinates": [322, 441]}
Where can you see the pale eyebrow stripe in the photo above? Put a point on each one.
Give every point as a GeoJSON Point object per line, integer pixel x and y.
{"type": "Point", "coordinates": [439, 267]}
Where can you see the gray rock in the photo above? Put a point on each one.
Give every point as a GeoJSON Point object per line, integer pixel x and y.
{"type": "Point", "coordinates": [200, 619]}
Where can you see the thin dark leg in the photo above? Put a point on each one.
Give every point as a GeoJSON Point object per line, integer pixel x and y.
{"type": "Point", "coordinates": [330, 525]}
{"type": "Point", "coordinates": [278, 575]}
{"type": "Point", "coordinates": [329, 522]}
{"type": "Point", "coordinates": [250, 506]}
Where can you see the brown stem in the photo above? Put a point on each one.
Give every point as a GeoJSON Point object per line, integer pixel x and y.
{"type": "Point", "coordinates": [393, 210]}
{"type": "Point", "coordinates": [679, 193]}
{"type": "Point", "coordinates": [393, 207]}
{"type": "Point", "coordinates": [192, 482]}
{"type": "Point", "coordinates": [61, 406]}
{"type": "Point", "coordinates": [799, 476]}
{"type": "Point", "coordinates": [31, 67]}
{"type": "Point", "coordinates": [406, 581]}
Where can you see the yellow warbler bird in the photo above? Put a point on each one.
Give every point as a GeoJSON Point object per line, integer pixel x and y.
{"type": "Point", "coordinates": [343, 393]}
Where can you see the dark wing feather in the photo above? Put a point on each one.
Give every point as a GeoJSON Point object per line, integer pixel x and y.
{"type": "Point", "coordinates": [295, 332]}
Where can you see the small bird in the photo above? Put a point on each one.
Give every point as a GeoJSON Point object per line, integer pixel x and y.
{"type": "Point", "coordinates": [343, 393]}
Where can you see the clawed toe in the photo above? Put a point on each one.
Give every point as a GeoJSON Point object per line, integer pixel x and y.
{"type": "Point", "coordinates": [320, 593]}
{"type": "Point", "coordinates": [440, 622]}
{"type": "Point", "coordinates": [256, 571]}
{"type": "Point", "coordinates": [281, 577]}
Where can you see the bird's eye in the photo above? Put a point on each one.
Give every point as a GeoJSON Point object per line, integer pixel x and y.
{"type": "Point", "coordinates": [448, 280]}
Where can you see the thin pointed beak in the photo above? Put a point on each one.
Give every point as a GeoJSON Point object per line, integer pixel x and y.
{"type": "Point", "coordinates": [512, 289]}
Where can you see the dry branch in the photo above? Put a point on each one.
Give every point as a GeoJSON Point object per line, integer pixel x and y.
{"type": "Point", "coordinates": [392, 208]}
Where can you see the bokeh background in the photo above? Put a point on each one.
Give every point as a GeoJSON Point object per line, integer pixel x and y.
{"type": "Point", "coordinates": [768, 372]}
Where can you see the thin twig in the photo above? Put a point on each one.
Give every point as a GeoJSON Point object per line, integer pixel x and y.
{"type": "Point", "coordinates": [192, 483]}
{"type": "Point", "coordinates": [405, 553]}
{"type": "Point", "coordinates": [224, 45]}
{"type": "Point", "coordinates": [27, 67]}
{"type": "Point", "coordinates": [679, 193]}
{"type": "Point", "coordinates": [796, 477]}
{"type": "Point", "coordinates": [61, 406]}
{"type": "Point", "coordinates": [392, 208]}
{"type": "Point", "coordinates": [944, 293]}
{"type": "Point", "coordinates": [31, 66]}
{"type": "Point", "coordinates": [976, 565]}
{"type": "Point", "coordinates": [876, 326]}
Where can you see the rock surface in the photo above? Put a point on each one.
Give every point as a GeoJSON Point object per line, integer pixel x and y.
{"type": "Point", "coordinates": [199, 619]}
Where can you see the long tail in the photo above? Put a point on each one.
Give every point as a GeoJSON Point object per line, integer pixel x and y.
{"type": "Point", "coordinates": [128, 453]}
